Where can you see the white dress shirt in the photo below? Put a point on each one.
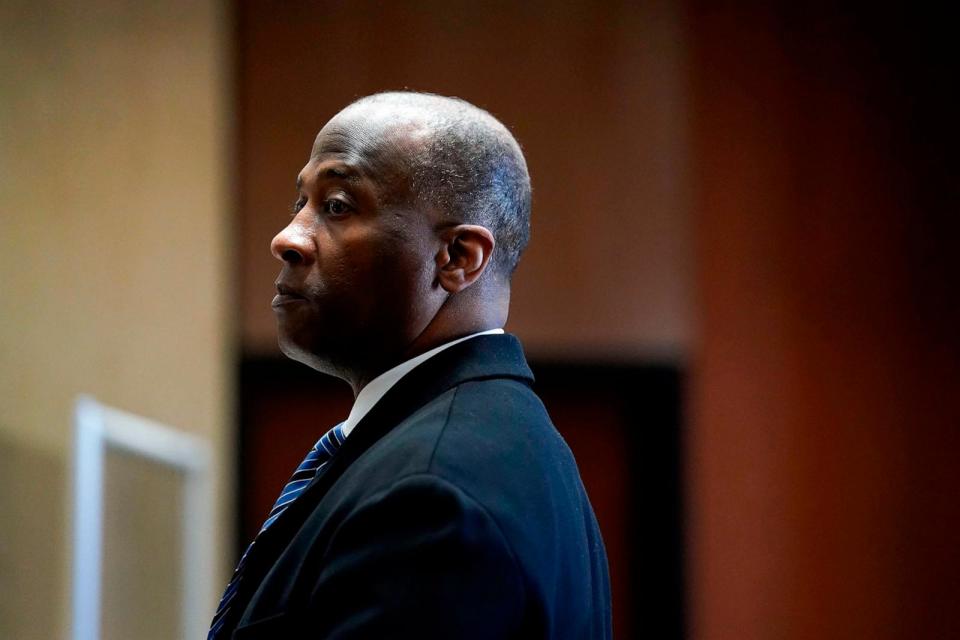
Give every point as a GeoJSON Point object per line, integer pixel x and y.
{"type": "Point", "coordinates": [371, 394]}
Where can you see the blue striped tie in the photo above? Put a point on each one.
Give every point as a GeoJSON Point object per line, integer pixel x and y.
{"type": "Point", "coordinates": [319, 456]}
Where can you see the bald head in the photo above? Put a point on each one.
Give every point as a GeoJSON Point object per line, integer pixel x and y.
{"type": "Point", "coordinates": [456, 159]}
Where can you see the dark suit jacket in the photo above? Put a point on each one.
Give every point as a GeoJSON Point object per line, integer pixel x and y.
{"type": "Point", "coordinates": [453, 510]}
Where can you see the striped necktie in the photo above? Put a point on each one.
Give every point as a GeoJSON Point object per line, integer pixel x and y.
{"type": "Point", "coordinates": [319, 456]}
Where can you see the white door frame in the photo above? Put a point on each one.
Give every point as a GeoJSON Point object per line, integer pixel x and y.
{"type": "Point", "coordinates": [97, 428]}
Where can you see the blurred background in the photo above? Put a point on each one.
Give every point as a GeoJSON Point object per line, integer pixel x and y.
{"type": "Point", "coordinates": [740, 299]}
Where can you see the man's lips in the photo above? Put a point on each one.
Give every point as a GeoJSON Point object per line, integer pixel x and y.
{"type": "Point", "coordinates": [285, 296]}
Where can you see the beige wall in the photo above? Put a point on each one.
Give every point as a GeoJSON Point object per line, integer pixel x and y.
{"type": "Point", "coordinates": [113, 256]}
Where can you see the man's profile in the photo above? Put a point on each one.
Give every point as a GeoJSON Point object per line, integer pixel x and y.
{"type": "Point", "coordinates": [446, 505]}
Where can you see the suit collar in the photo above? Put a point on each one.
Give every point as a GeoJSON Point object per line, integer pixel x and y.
{"type": "Point", "coordinates": [479, 358]}
{"type": "Point", "coordinates": [379, 386]}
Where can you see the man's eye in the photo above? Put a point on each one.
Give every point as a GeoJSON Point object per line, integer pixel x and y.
{"type": "Point", "coordinates": [335, 207]}
{"type": "Point", "coordinates": [297, 205]}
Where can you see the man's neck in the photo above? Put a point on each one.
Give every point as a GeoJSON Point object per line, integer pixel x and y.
{"type": "Point", "coordinates": [425, 343]}
{"type": "Point", "coordinates": [481, 307]}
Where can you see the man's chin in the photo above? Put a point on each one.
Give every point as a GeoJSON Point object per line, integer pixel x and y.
{"type": "Point", "coordinates": [296, 351]}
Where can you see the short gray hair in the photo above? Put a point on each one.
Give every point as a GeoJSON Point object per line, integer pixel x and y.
{"type": "Point", "coordinates": [470, 167]}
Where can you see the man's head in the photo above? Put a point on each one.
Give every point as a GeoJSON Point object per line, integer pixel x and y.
{"type": "Point", "coordinates": [412, 213]}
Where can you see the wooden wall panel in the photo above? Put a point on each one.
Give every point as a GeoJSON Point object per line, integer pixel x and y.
{"type": "Point", "coordinates": [823, 471]}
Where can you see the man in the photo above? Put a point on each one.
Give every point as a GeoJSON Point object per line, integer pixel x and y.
{"type": "Point", "coordinates": [447, 505]}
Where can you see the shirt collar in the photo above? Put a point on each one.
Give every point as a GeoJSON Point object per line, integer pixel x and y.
{"type": "Point", "coordinates": [376, 388]}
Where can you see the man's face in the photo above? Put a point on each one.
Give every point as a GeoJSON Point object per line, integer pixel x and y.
{"type": "Point", "coordinates": [357, 284]}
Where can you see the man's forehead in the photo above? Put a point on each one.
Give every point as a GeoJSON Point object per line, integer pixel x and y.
{"type": "Point", "coordinates": [368, 146]}
{"type": "Point", "coordinates": [376, 144]}
{"type": "Point", "coordinates": [371, 130]}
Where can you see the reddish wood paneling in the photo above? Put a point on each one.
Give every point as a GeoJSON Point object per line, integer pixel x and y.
{"type": "Point", "coordinates": [824, 466]}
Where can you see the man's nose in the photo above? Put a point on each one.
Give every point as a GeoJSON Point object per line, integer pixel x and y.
{"type": "Point", "coordinates": [293, 244]}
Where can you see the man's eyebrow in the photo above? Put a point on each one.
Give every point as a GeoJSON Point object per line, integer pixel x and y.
{"type": "Point", "coordinates": [341, 173]}
{"type": "Point", "coordinates": [347, 174]}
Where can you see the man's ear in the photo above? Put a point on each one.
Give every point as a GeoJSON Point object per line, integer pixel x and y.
{"type": "Point", "coordinates": [464, 255]}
